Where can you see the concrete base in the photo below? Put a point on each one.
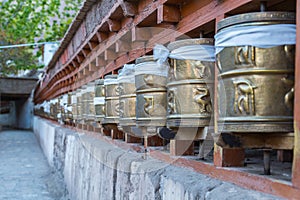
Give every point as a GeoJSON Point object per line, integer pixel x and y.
{"type": "Point", "coordinates": [94, 169]}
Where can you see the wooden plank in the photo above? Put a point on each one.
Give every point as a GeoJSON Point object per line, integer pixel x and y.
{"type": "Point", "coordinates": [228, 157]}
{"type": "Point", "coordinates": [109, 55]}
{"type": "Point", "coordinates": [113, 25]}
{"type": "Point", "coordinates": [181, 147]}
{"type": "Point", "coordinates": [168, 13]}
{"type": "Point", "coordinates": [92, 45]}
{"type": "Point", "coordinates": [296, 161]}
{"type": "Point", "coordinates": [129, 8]}
{"type": "Point", "coordinates": [122, 46]}
{"type": "Point", "coordinates": [102, 36]}
{"type": "Point", "coordinates": [140, 34]}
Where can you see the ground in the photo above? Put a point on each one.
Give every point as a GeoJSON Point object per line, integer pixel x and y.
{"type": "Point", "coordinates": [24, 171]}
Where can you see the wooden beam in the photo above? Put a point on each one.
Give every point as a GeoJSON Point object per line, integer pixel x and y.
{"type": "Point", "coordinates": [92, 45]}
{"type": "Point", "coordinates": [296, 161]}
{"type": "Point", "coordinates": [129, 9]}
{"type": "Point", "coordinates": [168, 13]}
{"type": "Point", "coordinates": [92, 67]}
{"type": "Point", "coordinates": [75, 63]}
{"type": "Point", "coordinates": [122, 46]}
{"type": "Point", "coordinates": [79, 58]}
{"type": "Point", "coordinates": [85, 52]}
{"type": "Point", "coordinates": [101, 36]}
{"type": "Point", "coordinates": [140, 34]}
{"type": "Point", "coordinates": [114, 25]}
{"type": "Point", "coordinates": [100, 61]}
{"type": "Point", "coordinates": [109, 55]}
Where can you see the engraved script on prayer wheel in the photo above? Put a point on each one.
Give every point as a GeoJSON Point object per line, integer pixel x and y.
{"type": "Point", "coordinates": [99, 100]}
{"type": "Point", "coordinates": [255, 56]}
{"type": "Point", "coordinates": [111, 99]}
{"type": "Point", "coordinates": [127, 98]}
{"type": "Point", "coordinates": [151, 92]}
{"type": "Point", "coordinates": [190, 86]}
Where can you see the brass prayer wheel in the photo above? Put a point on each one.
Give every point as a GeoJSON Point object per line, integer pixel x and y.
{"type": "Point", "coordinates": [69, 108]}
{"type": "Point", "coordinates": [151, 93]}
{"type": "Point", "coordinates": [190, 86]}
{"type": "Point", "coordinates": [90, 95]}
{"type": "Point", "coordinates": [111, 99]}
{"type": "Point", "coordinates": [99, 100]}
{"type": "Point", "coordinates": [127, 98]}
{"type": "Point", "coordinates": [74, 104]}
{"type": "Point", "coordinates": [79, 105]}
{"type": "Point", "coordinates": [83, 107]}
{"type": "Point", "coordinates": [257, 72]}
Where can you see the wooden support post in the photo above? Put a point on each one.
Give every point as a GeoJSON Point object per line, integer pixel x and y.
{"type": "Point", "coordinates": [228, 157]}
{"type": "Point", "coordinates": [140, 34]}
{"type": "Point", "coordinates": [92, 45]}
{"type": "Point", "coordinates": [97, 130]}
{"type": "Point", "coordinates": [116, 134]}
{"type": "Point", "coordinates": [109, 55]}
{"type": "Point", "coordinates": [129, 9]}
{"type": "Point", "coordinates": [90, 128]}
{"type": "Point", "coordinates": [79, 58]}
{"type": "Point", "coordinates": [85, 52]}
{"type": "Point", "coordinates": [155, 141]}
{"type": "Point", "coordinates": [75, 63]}
{"type": "Point", "coordinates": [131, 139]}
{"type": "Point", "coordinates": [100, 61]}
{"type": "Point", "coordinates": [101, 36]}
{"type": "Point", "coordinates": [92, 67]}
{"type": "Point", "coordinates": [114, 25]}
{"type": "Point", "coordinates": [285, 155]}
{"type": "Point", "coordinates": [181, 147]}
{"type": "Point", "coordinates": [122, 46]}
{"type": "Point", "coordinates": [168, 13]}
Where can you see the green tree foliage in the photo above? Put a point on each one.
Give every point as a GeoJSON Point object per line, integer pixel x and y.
{"type": "Point", "coordinates": [27, 21]}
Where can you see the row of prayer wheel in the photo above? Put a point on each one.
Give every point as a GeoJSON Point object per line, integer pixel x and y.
{"type": "Point", "coordinates": [174, 88]}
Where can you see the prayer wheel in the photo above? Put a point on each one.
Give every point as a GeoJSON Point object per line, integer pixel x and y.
{"type": "Point", "coordinates": [127, 98]}
{"type": "Point", "coordinates": [74, 105]}
{"type": "Point", "coordinates": [151, 93]}
{"type": "Point", "coordinates": [256, 58]}
{"type": "Point", "coordinates": [84, 103]}
{"type": "Point", "coordinates": [111, 99]}
{"type": "Point", "coordinates": [69, 107]}
{"type": "Point", "coordinates": [79, 105]}
{"type": "Point", "coordinates": [190, 86]}
{"type": "Point", "coordinates": [99, 100]}
{"type": "Point", "coordinates": [90, 109]}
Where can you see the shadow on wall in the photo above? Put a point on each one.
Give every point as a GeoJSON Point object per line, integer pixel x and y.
{"type": "Point", "coordinates": [17, 114]}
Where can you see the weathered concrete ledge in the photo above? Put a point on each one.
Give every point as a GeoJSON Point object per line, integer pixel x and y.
{"type": "Point", "coordinates": [93, 169]}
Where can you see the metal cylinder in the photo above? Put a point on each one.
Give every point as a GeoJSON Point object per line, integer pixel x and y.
{"type": "Point", "coordinates": [257, 73]}
{"type": "Point", "coordinates": [127, 98]}
{"type": "Point", "coordinates": [79, 105]}
{"type": "Point", "coordinates": [99, 100]}
{"type": "Point", "coordinates": [151, 93]}
{"type": "Point", "coordinates": [90, 108]}
{"type": "Point", "coordinates": [190, 87]}
{"type": "Point", "coordinates": [111, 99]}
{"type": "Point", "coordinates": [84, 103]}
{"type": "Point", "coordinates": [74, 105]}
{"type": "Point", "coordinates": [69, 108]}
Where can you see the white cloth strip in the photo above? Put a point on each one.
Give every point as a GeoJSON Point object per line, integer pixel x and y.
{"type": "Point", "coordinates": [153, 68]}
{"type": "Point", "coordinates": [265, 36]}
{"type": "Point", "coordinates": [99, 101]}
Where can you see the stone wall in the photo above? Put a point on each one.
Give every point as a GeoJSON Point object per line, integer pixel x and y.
{"type": "Point", "coordinates": [9, 119]}
{"type": "Point", "coordinates": [93, 169]}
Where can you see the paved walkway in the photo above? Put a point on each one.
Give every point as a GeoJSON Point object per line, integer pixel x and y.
{"type": "Point", "coordinates": [24, 170]}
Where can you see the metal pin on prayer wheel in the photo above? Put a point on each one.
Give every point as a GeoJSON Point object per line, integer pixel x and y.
{"type": "Point", "coordinates": [267, 161]}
